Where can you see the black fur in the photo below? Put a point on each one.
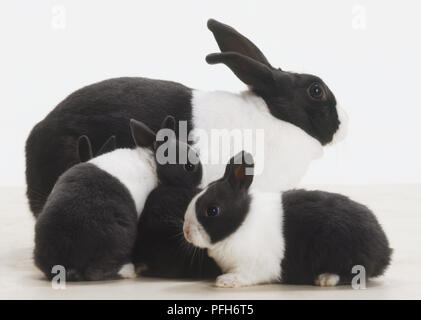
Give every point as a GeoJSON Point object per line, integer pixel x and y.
{"type": "Point", "coordinates": [84, 149]}
{"type": "Point", "coordinates": [103, 109]}
{"type": "Point", "coordinates": [329, 233]}
{"type": "Point", "coordinates": [180, 174]}
{"type": "Point", "coordinates": [323, 232]}
{"type": "Point", "coordinates": [88, 225]}
{"type": "Point", "coordinates": [161, 249]}
{"type": "Point", "coordinates": [98, 111]}
{"type": "Point", "coordinates": [108, 146]}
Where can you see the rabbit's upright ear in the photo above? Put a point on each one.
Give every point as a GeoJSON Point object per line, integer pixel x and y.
{"type": "Point", "coordinates": [165, 135]}
{"type": "Point", "coordinates": [142, 135]}
{"type": "Point", "coordinates": [239, 170]}
{"type": "Point", "coordinates": [230, 40]}
{"type": "Point", "coordinates": [250, 71]}
{"type": "Point", "coordinates": [168, 123]}
{"type": "Point", "coordinates": [84, 149]}
{"type": "Point", "coordinates": [108, 146]}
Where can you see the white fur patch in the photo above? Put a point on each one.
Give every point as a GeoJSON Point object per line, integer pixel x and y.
{"type": "Point", "coordinates": [327, 280]}
{"type": "Point", "coordinates": [134, 168]}
{"type": "Point", "coordinates": [342, 131]}
{"type": "Point", "coordinates": [287, 149]}
{"type": "Point", "coordinates": [197, 235]}
{"type": "Point", "coordinates": [127, 271]}
{"type": "Point", "coordinates": [253, 253]}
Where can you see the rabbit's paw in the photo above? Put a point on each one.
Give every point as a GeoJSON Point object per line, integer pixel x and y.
{"type": "Point", "coordinates": [327, 280]}
{"type": "Point", "coordinates": [229, 280]}
{"type": "Point", "coordinates": [127, 271]}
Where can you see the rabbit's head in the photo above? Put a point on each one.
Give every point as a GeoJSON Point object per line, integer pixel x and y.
{"type": "Point", "coordinates": [221, 208]}
{"type": "Point", "coordinates": [301, 99]}
{"type": "Point", "coordinates": [177, 163]}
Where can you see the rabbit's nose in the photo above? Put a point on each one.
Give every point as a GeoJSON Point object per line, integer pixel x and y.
{"type": "Point", "coordinates": [186, 230]}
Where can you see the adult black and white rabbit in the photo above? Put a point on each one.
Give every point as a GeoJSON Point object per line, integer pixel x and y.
{"type": "Point", "coordinates": [296, 237]}
{"type": "Point", "coordinates": [89, 221]}
{"type": "Point", "coordinates": [298, 113]}
{"type": "Point", "coordinates": [161, 249]}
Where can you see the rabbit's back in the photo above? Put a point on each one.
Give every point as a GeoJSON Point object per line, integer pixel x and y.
{"type": "Point", "coordinates": [328, 232]}
{"type": "Point", "coordinates": [88, 225]}
{"type": "Point", "coordinates": [99, 111]}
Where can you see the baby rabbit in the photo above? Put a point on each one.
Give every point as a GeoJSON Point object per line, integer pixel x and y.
{"type": "Point", "coordinates": [160, 249]}
{"type": "Point", "coordinates": [89, 221]}
{"type": "Point", "coordinates": [296, 237]}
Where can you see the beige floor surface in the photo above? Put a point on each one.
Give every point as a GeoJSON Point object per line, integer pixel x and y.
{"type": "Point", "coordinates": [398, 208]}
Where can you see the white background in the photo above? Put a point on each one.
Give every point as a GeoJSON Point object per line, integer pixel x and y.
{"type": "Point", "coordinates": [373, 67]}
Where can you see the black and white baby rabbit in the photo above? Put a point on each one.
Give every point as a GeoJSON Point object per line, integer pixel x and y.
{"type": "Point", "coordinates": [161, 249]}
{"type": "Point", "coordinates": [296, 237]}
{"type": "Point", "coordinates": [298, 112]}
{"type": "Point", "coordinates": [89, 221]}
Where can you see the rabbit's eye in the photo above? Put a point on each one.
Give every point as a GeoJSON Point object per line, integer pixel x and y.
{"type": "Point", "coordinates": [189, 167]}
{"type": "Point", "coordinates": [316, 91]}
{"type": "Point", "coordinates": [213, 211]}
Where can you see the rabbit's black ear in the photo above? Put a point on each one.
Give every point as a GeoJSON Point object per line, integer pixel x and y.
{"type": "Point", "coordinates": [84, 149]}
{"type": "Point", "coordinates": [251, 72]}
{"type": "Point", "coordinates": [108, 146]}
{"type": "Point", "coordinates": [230, 40]}
{"type": "Point", "coordinates": [239, 170]}
{"type": "Point", "coordinates": [168, 123]}
{"type": "Point", "coordinates": [142, 135]}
